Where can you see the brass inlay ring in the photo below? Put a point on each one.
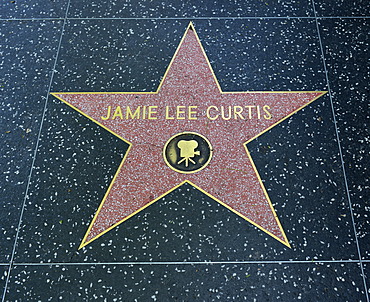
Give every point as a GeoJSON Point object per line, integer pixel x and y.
{"type": "Point", "coordinates": [187, 152]}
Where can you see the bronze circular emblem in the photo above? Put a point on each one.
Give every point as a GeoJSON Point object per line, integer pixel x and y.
{"type": "Point", "coordinates": [187, 152]}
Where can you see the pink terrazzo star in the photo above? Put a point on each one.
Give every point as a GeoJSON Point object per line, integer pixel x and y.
{"type": "Point", "coordinates": [189, 99]}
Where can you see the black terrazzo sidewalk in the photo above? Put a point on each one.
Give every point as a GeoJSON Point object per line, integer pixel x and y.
{"type": "Point", "coordinates": [56, 165]}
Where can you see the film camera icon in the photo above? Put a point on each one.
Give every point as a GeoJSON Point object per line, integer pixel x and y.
{"type": "Point", "coordinates": [187, 151]}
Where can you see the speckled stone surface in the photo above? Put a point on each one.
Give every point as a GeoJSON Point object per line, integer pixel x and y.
{"type": "Point", "coordinates": [3, 274]}
{"type": "Point", "coordinates": [342, 8]}
{"type": "Point", "coordinates": [30, 9]}
{"type": "Point", "coordinates": [367, 275]}
{"type": "Point", "coordinates": [217, 282]}
{"type": "Point", "coordinates": [28, 49]}
{"type": "Point", "coordinates": [347, 57]}
{"type": "Point", "coordinates": [190, 9]}
{"type": "Point", "coordinates": [160, 253]}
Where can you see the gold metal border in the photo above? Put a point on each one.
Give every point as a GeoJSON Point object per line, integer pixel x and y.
{"type": "Point", "coordinates": [189, 27]}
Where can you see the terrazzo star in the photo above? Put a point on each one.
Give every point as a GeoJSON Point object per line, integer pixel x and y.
{"type": "Point", "coordinates": [210, 153]}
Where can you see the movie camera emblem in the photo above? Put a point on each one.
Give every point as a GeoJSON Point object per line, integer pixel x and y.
{"type": "Point", "coordinates": [187, 152]}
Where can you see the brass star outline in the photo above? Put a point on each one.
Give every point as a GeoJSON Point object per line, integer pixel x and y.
{"type": "Point", "coordinates": [80, 101]}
